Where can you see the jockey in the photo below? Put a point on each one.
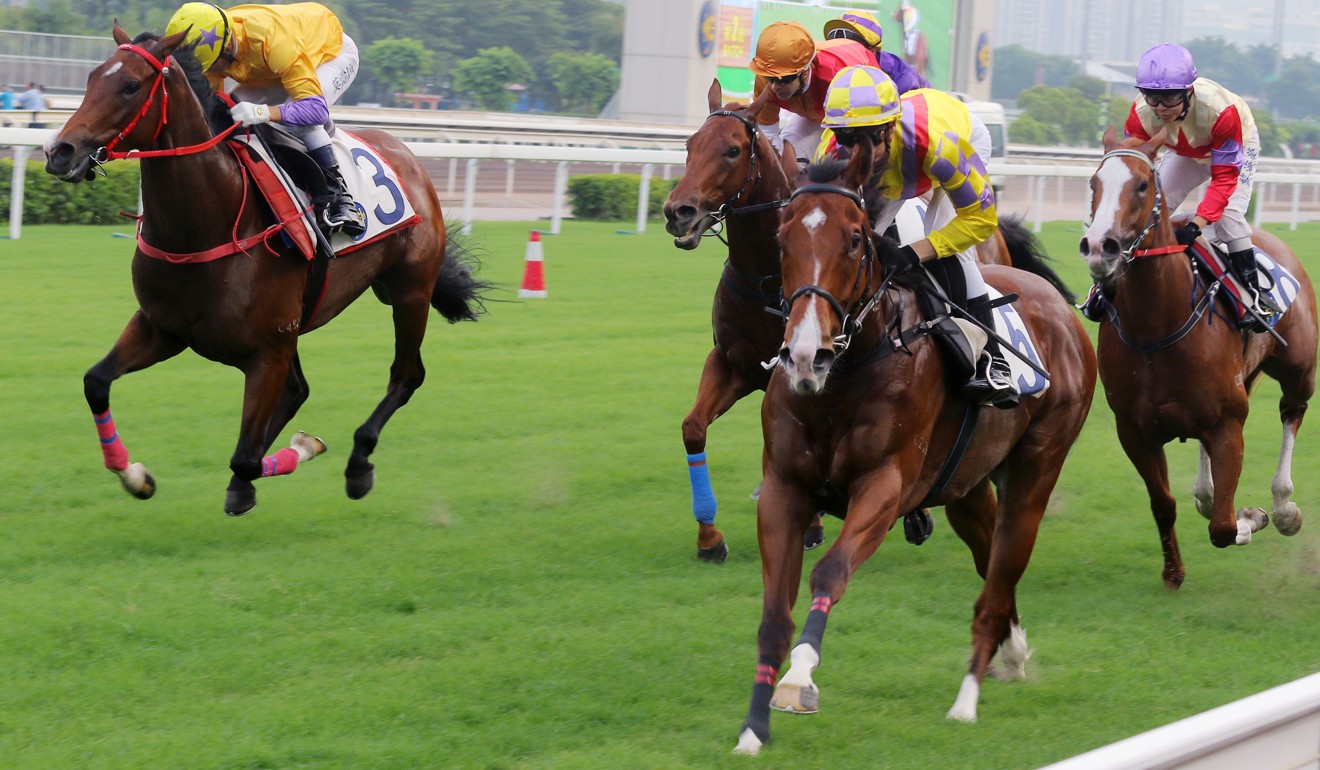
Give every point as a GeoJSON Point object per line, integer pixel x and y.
{"type": "Point", "coordinates": [863, 27]}
{"type": "Point", "coordinates": [1212, 136]}
{"type": "Point", "coordinates": [931, 150]}
{"type": "Point", "coordinates": [798, 72]}
{"type": "Point", "coordinates": [291, 62]}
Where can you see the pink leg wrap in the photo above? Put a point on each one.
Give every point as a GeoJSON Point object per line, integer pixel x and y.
{"type": "Point", "coordinates": [116, 455]}
{"type": "Point", "coordinates": [281, 463]}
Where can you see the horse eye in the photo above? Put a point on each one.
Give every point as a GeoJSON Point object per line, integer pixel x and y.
{"type": "Point", "coordinates": [130, 88]}
{"type": "Point", "coordinates": [1142, 186]}
{"type": "Point", "coordinates": [732, 152]}
{"type": "Point", "coordinates": [856, 241]}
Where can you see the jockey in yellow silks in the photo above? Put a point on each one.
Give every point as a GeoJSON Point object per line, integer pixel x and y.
{"type": "Point", "coordinates": [924, 143]}
{"type": "Point", "coordinates": [291, 62]}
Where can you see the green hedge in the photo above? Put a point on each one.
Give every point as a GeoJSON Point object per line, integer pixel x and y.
{"type": "Point", "coordinates": [48, 201]}
{"type": "Point", "coordinates": [614, 196]}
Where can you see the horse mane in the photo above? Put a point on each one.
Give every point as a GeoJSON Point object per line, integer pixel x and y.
{"type": "Point", "coordinates": [825, 171]}
{"type": "Point", "coordinates": [213, 107]}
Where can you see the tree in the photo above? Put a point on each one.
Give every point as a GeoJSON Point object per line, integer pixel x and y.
{"type": "Point", "coordinates": [585, 82]}
{"type": "Point", "coordinates": [1017, 69]}
{"type": "Point", "coordinates": [1296, 93]}
{"type": "Point", "coordinates": [1222, 62]}
{"type": "Point", "coordinates": [1071, 115]}
{"type": "Point", "coordinates": [401, 64]}
{"type": "Point", "coordinates": [487, 76]}
{"type": "Point", "coordinates": [1028, 130]}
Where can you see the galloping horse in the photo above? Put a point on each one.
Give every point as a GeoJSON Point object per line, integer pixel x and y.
{"type": "Point", "coordinates": [860, 419]}
{"type": "Point", "coordinates": [1158, 334]}
{"type": "Point", "coordinates": [242, 310]}
{"type": "Point", "coordinates": [733, 177]}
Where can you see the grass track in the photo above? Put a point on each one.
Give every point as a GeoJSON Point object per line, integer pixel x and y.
{"type": "Point", "coordinates": [520, 591]}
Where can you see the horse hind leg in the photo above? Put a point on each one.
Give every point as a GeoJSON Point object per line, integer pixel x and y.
{"type": "Point", "coordinates": [1287, 516]}
{"type": "Point", "coordinates": [1203, 489]}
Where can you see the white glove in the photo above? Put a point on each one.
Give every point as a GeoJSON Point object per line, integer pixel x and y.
{"type": "Point", "coordinates": [250, 114]}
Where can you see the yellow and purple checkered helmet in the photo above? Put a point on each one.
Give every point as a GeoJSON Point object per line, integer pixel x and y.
{"type": "Point", "coordinates": [863, 24]}
{"type": "Point", "coordinates": [861, 96]}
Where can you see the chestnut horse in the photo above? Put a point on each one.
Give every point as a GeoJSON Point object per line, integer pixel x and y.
{"type": "Point", "coordinates": [733, 177]}
{"type": "Point", "coordinates": [245, 309]}
{"type": "Point", "coordinates": [1159, 333]}
{"type": "Point", "coordinates": [860, 425]}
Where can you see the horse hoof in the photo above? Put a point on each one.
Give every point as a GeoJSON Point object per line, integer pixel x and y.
{"type": "Point", "coordinates": [1288, 519]}
{"type": "Point", "coordinates": [748, 744]}
{"type": "Point", "coordinates": [813, 538]}
{"type": "Point", "coordinates": [357, 487]}
{"type": "Point", "coordinates": [795, 699]}
{"type": "Point", "coordinates": [308, 447]}
{"type": "Point", "coordinates": [715, 554]}
{"type": "Point", "coordinates": [138, 481]}
{"type": "Point", "coordinates": [240, 501]}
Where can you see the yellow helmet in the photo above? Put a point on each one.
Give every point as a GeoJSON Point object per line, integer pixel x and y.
{"type": "Point", "coordinates": [784, 48]}
{"type": "Point", "coordinates": [862, 24]}
{"type": "Point", "coordinates": [210, 30]}
{"type": "Point", "coordinates": [861, 96]}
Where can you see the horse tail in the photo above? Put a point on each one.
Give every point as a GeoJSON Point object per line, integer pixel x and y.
{"type": "Point", "coordinates": [1028, 254]}
{"type": "Point", "coordinates": [458, 295]}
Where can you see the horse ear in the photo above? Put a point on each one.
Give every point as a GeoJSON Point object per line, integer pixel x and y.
{"type": "Point", "coordinates": [169, 43]}
{"type": "Point", "coordinates": [761, 100]}
{"type": "Point", "coordinates": [859, 165]}
{"type": "Point", "coordinates": [1110, 140]}
{"type": "Point", "coordinates": [1153, 146]}
{"type": "Point", "coordinates": [714, 95]}
{"type": "Point", "coordinates": [121, 37]}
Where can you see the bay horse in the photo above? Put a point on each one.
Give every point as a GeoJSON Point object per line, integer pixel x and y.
{"type": "Point", "coordinates": [861, 426]}
{"type": "Point", "coordinates": [1159, 333]}
{"type": "Point", "coordinates": [244, 309]}
{"type": "Point", "coordinates": [734, 178]}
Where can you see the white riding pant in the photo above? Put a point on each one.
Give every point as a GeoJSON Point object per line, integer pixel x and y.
{"type": "Point", "coordinates": [1179, 175]}
{"type": "Point", "coordinates": [335, 75]}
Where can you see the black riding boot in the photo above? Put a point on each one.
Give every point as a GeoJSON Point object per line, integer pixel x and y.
{"type": "Point", "coordinates": [1244, 264]}
{"type": "Point", "coordinates": [992, 383]}
{"type": "Point", "coordinates": [339, 212]}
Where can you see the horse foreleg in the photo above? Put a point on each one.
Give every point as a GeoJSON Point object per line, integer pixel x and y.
{"type": "Point", "coordinates": [1287, 516]}
{"type": "Point", "coordinates": [717, 392]}
{"type": "Point", "coordinates": [1228, 527]}
{"type": "Point", "coordinates": [1153, 468]}
{"type": "Point", "coordinates": [406, 376]}
{"type": "Point", "coordinates": [780, 514]}
{"type": "Point", "coordinates": [139, 346]}
{"type": "Point", "coordinates": [871, 511]}
{"type": "Point", "coordinates": [264, 380]}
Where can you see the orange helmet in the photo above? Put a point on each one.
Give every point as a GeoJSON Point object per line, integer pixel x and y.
{"type": "Point", "coordinates": [784, 48]}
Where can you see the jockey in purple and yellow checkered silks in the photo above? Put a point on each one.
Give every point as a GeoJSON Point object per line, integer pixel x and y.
{"type": "Point", "coordinates": [859, 97]}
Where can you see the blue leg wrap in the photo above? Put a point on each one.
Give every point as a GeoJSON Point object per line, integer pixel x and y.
{"type": "Point", "coordinates": [703, 497]}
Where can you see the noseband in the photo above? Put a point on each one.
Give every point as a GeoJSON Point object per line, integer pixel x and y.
{"type": "Point", "coordinates": [851, 318]}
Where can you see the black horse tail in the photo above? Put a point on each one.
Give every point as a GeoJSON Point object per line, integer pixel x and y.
{"type": "Point", "coordinates": [1028, 254]}
{"type": "Point", "coordinates": [458, 295]}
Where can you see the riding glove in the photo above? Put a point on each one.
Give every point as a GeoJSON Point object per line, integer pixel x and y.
{"type": "Point", "coordinates": [250, 114]}
{"type": "Point", "coordinates": [904, 260]}
{"type": "Point", "coordinates": [1188, 233]}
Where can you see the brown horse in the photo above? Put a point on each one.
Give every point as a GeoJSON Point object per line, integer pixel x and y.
{"type": "Point", "coordinates": [245, 309]}
{"type": "Point", "coordinates": [733, 177]}
{"type": "Point", "coordinates": [859, 420]}
{"type": "Point", "coordinates": [1159, 332]}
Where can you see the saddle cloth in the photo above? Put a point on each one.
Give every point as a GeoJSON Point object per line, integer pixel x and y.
{"type": "Point", "coordinates": [1010, 326]}
{"type": "Point", "coordinates": [374, 185]}
{"type": "Point", "coordinates": [1275, 280]}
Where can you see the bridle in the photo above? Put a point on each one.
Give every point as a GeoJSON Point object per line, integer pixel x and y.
{"type": "Point", "coordinates": [749, 185]}
{"type": "Point", "coordinates": [862, 306]}
{"type": "Point", "coordinates": [162, 69]}
{"type": "Point", "coordinates": [1132, 252]}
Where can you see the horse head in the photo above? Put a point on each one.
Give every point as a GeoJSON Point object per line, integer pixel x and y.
{"type": "Point", "coordinates": [124, 106]}
{"type": "Point", "coordinates": [727, 168]}
{"type": "Point", "coordinates": [1127, 209]}
{"type": "Point", "coordinates": [828, 260]}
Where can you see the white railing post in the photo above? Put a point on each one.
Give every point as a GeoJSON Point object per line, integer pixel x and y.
{"type": "Point", "coordinates": [469, 194]}
{"type": "Point", "coordinates": [644, 196]}
{"type": "Point", "coordinates": [21, 154]}
{"type": "Point", "coordinates": [1296, 206]}
{"type": "Point", "coordinates": [1039, 184]}
{"type": "Point", "coordinates": [1260, 204]}
{"type": "Point", "coordinates": [561, 184]}
{"type": "Point", "coordinates": [453, 172]}
{"type": "Point", "coordinates": [508, 178]}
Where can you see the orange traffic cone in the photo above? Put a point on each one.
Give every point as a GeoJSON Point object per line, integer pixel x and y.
{"type": "Point", "coordinates": [533, 282]}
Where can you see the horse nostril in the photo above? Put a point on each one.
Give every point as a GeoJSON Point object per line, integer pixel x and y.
{"type": "Point", "coordinates": [1110, 246]}
{"type": "Point", "coordinates": [824, 360]}
{"type": "Point", "coordinates": [1084, 247]}
{"type": "Point", "coordinates": [784, 359]}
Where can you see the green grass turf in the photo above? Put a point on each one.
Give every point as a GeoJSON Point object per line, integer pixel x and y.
{"type": "Point", "coordinates": [520, 590]}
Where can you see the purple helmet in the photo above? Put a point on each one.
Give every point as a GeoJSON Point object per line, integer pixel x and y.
{"type": "Point", "coordinates": [1166, 67]}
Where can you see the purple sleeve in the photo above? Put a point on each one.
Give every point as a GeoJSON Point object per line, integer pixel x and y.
{"type": "Point", "coordinates": [311, 111]}
{"type": "Point", "coordinates": [904, 77]}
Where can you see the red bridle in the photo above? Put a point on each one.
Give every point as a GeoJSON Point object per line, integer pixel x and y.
{"type": "Point", "coordinates": [162, 71]}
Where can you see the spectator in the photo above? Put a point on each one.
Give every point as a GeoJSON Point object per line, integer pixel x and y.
{"type": "Point", "coordinates": [6, 104]}
{"type": "Point", "coordinates": [34, 101]}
